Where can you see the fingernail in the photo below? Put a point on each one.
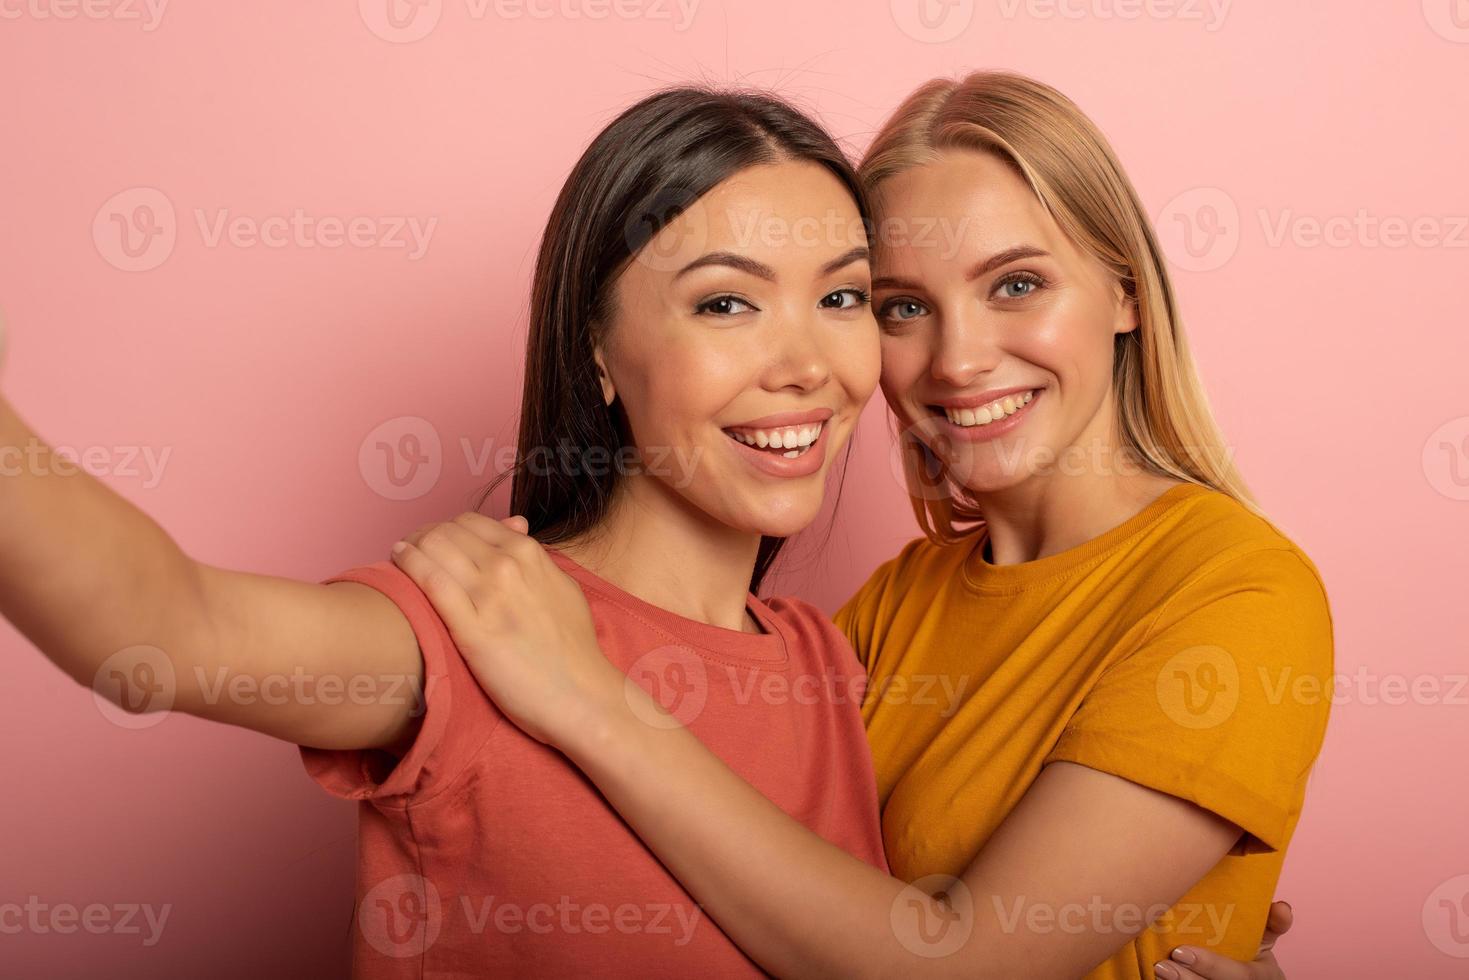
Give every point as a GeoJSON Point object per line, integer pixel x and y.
{"type": "Point", "coordinates": [1166, 971]}
{"type": "Point", "coordinates": [399, 546]}
{"type": "Point", "coordinates": [1185, 956]}
{"type": "Point", "coordinates": [1288, 908]}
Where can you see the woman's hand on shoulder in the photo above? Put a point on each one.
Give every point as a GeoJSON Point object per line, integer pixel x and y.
{"type": "Point", "coordinates": [522, 624]}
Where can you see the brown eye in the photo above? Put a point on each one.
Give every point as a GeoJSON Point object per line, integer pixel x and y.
{"type": "Point", "coordinates": [845, 299]}
{"type": "Point", "coordinates": [722, 306]}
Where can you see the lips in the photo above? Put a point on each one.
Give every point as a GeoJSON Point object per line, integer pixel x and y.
{"type": "Point", "coordinates": [988, 415]}
{"type": "Point", "coordinates": [787, 444]}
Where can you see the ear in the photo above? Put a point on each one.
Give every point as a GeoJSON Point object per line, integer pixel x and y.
{"type": "Point", "coordinates": [1126, 319]}
{"type": "Point", "coordinates": [609, 390]}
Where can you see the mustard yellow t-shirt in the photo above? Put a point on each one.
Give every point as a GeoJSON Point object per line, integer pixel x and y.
{"type": "Point", "coordinates": [1188, 650]}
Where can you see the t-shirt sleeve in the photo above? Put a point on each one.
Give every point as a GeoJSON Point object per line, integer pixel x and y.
{"type": "Point", "coordinates": [457, 715]}
{"type": "Point", "coordinates": [1225, 700]}
{"type": "Point", "coordinates": [860, 619]}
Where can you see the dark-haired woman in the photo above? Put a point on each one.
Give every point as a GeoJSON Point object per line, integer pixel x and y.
{"type": "Point", "coordinates": [481, 851]}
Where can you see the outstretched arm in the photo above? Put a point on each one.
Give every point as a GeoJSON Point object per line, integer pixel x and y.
{"type": "Point", "coordinates": [797, 904]}
{"type": "Point", "coordinates": [94, 583]}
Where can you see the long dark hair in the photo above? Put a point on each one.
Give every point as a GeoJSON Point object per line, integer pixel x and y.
{"type": "Point", "coordinates": [640, 173]}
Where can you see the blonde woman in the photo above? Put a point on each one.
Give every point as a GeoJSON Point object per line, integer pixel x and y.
{"type": "Point", "coordinates": [1111, 779]}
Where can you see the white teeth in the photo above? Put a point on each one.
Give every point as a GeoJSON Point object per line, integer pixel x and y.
{"type": "Point", "coordinates": [795, 438]}
{"type": "Point", "coordinates": [994, 411]}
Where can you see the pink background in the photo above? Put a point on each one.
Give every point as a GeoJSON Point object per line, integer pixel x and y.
{"type": "Point", "coordinates": [1336, 369]}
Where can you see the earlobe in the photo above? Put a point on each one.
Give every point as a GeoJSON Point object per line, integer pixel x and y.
{"type": "Point", "coordinates": [609, 390]}
{"type": "Point", "coordinates": [1127, 317]}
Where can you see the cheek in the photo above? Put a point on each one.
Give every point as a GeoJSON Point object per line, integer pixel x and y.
{"type": "Point", "coordinates": [860, 365]}
{"type": "Point", "coordinates": [904, 361]}
{"type": "Point", "coordinates": [673, 390]}
{"type": "Point", "coordinates": [1074, 344]}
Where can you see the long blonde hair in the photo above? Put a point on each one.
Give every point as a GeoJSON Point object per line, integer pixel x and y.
{"type": "Point", "coordinates": [1164, 413]}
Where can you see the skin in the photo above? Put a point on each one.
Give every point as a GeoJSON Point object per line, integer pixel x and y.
{"type": "Point", "coordinates": [952, 325]}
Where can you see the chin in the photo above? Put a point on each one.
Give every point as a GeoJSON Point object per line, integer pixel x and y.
{"type": "Point", "coordinates": [782, 518]}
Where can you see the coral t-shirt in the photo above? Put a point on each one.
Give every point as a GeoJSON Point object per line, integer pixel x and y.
{"type": "Point", "coordinates": [483, 852]}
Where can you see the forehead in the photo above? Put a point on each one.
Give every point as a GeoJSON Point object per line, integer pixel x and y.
{"type": "Point", "coordinates": [791, 212]}
{"type": "Point", "coordinates": [964, 205]}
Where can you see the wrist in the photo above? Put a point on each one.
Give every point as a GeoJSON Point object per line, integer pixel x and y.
{"type": "Point", "coordinates": [608, 719]}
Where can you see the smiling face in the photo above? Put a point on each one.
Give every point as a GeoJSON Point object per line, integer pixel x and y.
{"type": "Point", "coordinates": [997, 330]}
{"type": "Point", "coordinates": [742, 347]}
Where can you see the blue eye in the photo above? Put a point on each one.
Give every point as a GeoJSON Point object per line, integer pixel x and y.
{"type": "Point", "coordinates": [1019, 285]}
{"type": "Point", "coordinates": [902, 308]}
{"type": "Point", "coordinates": [722, 306]}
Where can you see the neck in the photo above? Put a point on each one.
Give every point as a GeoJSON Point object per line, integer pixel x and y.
{"type": "Point", "coordinates": [655, 545]}
{"type": "Point", "coordinates": [1101, 485]}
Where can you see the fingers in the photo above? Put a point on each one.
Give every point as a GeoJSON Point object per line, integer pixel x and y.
{"type": "Point", "coordinates": [491, 531]}
{"type": "Point", "coordinates": [1175, 971]}
{"type": "Point", "coordinates": [1196, 963]}
{"type": "Point", "coordinates": [1281, 918]}
{"type": "Point", "coordinates": [446, 593]}
{"type": "Point", "coordinates": [517, 524]}
{"type": "Point", "coordinates": [458, 551]}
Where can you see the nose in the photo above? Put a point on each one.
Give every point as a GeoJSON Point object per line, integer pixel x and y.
{"type": "Point", "coordinates": [800, 358]}
{"type": "Point", "coordinates": [964, 347]}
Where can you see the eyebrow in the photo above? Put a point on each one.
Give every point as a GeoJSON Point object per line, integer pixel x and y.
{"type": "Point", "coordinates": [761, 270]}
{"type": "Point", "coordinates": [988, 265]}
